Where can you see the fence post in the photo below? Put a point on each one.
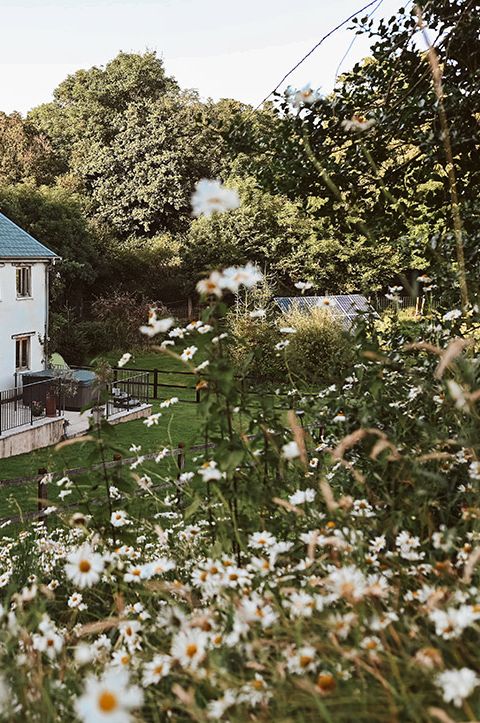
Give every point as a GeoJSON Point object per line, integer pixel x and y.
{"type": "Point", "coordinates": [155, 383]}
{"type": "Point", "coordinates": [42, 493]}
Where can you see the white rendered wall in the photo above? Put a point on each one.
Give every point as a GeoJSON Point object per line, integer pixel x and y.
{"type": "Point", "coordinates": [21, 316]}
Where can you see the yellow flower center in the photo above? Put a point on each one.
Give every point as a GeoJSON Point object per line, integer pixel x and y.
{"type": "Point", "coordinates": [84, 566]}
{"type": "Point", "coordinates": [107, 701]}
{"type": "Point", "coordinates": [191, 650]}
{"type": "Point", "coordinates": [305, 660]}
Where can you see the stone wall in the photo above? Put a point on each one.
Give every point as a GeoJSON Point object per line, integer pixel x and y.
{"type": "Point", "coordinates": [42, 434]}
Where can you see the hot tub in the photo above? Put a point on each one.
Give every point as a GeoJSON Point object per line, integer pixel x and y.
{"type": "Point", "coordinates": [36, 386]}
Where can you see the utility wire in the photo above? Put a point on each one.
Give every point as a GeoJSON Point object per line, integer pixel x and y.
{"type": "Point", "coordinates": [315, 47]}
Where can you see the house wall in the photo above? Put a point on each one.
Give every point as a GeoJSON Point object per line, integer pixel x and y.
{"type": "Point", "coordinates": [21, 316]}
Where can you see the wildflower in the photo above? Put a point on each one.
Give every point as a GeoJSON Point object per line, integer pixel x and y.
{"type": "Point", "coordinates": [119, 518]}
{"type": "Point", "coordinates": [258, 314]}
{"type": "Point", "coordinates": [348, 582]}
{"type": "Point", "coordinates": [302, 96]}
{"type": "Point", "coordinates": [76, 601]}
{"type": "Point", "coordinates": [303, 285]}
{"type": "Point", "coordinates": [304, 661]}
{"type": "Point", "coordinates": [282, 345]}
{"type": "Point", "coordinates": [326, 682]}
{"type": "Point", "coordinates": [209, 471]}
{"type": "Point", "coordinates": [124, 359]}
{"type": "Point", "coordinates": [236, 276]}
{"type": "Point", "coordinates": [201, 366]}
{"type": "Point", "coordinates": [156, 326]}
{"type": "Point", "coordinates": [108, 699]}
{"type": "Point", "coordinates": [211, 286]}
{"type": "Point", "coordinates": [48, 641]}
{"type": "Point", "coordinates": [358, 123]}
{"type": "Point", "coordinates": [217, 708]}
{"type": "Point", "coordinates": [457, 394]}
{"type": "Point", "coordinates": [260, 540]}
{"type": "Point", "coordinates": [152, 419]}
{"type": "Point", "coordinates": [188, 353]}
{"type": "Point", "coordinates": [290, 450]}
{"type": "Point", "coordinates": [156, 669]}
{"type": "Point", "coordinates": [212, 197]}
{"type": "Point", "coordinates": [162, 454]}
{"type": "Point", "coordinates": [287, 330]}
{"type": "Point", "coordinates": [189, 647]}
{"type": "Point", "coordinates": [340, 417]}
{"type": "Point", "coordinates": [301, 496]}
{"type": "Point", "coordinates": [424, 279]}
{"type": "Point", "coordinates": [457, 684]}
{"type": "Point", "coordinates": [451, 315]}
{"type": "Point", "coordinates": [84, 566]}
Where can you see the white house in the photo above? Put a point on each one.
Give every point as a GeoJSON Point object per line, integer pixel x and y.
{"type": "Point", "coordinates": [24, 298]}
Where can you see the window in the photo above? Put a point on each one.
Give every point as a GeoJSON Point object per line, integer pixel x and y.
{"type": "Point", "coordinates": [22, 353]}
{"type": "Point", "coordinates": [24, 281]}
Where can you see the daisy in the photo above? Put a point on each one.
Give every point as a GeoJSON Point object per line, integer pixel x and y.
{"type": "Point", "coordinates": [189, 647]}
{"type": "Point", "coordinates": [303, 96]}
{"type": "Point", "coordinates": [188, 353]}
{"type": "Point", "coordinates": [211, 286]}
{"type": "Point", "coordinates": [301, 496]}
{"type": "Point", "coordinates": [260, 540]}
{"type": "Point", "coordinates": [303, 285]}
{"type": "Point", "coordinates": [156, 326]}
{"type": "Point", "coordinates": [124, 359]}
{"type": "Point", "coordinates": [304, 661]}
{"type": "Point", "coordinates": [290, 450]}
{"type": "Point", "coordinates": [156, 669]}
{"type": "Point", "coordinates": [119, 518]}
{"type": "Point", "coordinates": [212, 197]}
{"type": "Point", "coordinates": [457, 685]}
{"type": "Point", "coordinates": [84, 566]}
{"type": "Point", "coordinates": [358, 123]}
{"type": "Point", "coordinates": [108, 699]}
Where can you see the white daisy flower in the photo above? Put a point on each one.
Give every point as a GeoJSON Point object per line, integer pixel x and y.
{"type": "Point", "coordinates": [457, 685]}
{"type": "Point", "coordinates": [84, 566]}
{"type": "Point", "coordinates": [108, 699]}
{"type": "Point", "coordinates": [212, 197]}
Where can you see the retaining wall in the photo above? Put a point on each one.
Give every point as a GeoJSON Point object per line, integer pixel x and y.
{"type": "Point", "coordinates": [25, 439]}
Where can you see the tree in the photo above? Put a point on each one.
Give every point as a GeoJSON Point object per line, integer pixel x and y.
{"type": "Point", "coordinates": [56, 218]}
{"type": "Point", "coordinates": [141, 182]}
{"type": "Point", "coordinates": [24, 154]}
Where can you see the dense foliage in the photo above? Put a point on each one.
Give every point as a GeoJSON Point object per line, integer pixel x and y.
{"type": "Point", "coordinates": [348, 211]}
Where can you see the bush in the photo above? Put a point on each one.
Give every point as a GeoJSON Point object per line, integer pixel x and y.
{"type": "Point", "coordinates": [253, 347]}
{"type": "Point", "coordinates": [317, 354]}
{"type": "Point", "coordinates": [320, 350]}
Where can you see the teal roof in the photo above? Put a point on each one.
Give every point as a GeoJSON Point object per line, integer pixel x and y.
{"type": "Point", "coordinates": [15, 243]}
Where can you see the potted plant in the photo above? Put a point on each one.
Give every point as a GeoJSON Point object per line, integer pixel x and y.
{"type": "Point", "coordinates": [38, 408]}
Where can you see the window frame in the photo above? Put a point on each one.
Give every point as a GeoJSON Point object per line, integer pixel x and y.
{"type": "Point", "coordinates": [23, 352]}
{"type": "Point", "coordinates": [23, 281]}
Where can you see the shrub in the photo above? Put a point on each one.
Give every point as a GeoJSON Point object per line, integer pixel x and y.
{"type": "Point", "coordinates": [317, 354]}
{"type": "Point", "coordinates": [320, 350]}
{"type": "Point", "coordinates": [253, 347]}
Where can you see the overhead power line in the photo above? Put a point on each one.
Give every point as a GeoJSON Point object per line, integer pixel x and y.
{"type": "Point", "coordinates": [315, 47]}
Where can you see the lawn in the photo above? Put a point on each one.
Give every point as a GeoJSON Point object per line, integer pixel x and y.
{"type": "Point", "coordinates": [179, 424]}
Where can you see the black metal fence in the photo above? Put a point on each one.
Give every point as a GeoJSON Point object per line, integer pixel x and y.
{"type": "Point", "coordinates": [24, 405]}
{"type": "Point", "coordinates": [127, 392]}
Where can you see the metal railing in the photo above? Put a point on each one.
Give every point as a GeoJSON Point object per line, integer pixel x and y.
{"type": "Point", "coordinates": [24, 405]}
{"type": "Point", "coordinates": [127, 392]}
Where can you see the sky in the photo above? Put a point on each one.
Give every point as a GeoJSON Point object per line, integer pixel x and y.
{"type": "Point", "coordinates": [222, 48]}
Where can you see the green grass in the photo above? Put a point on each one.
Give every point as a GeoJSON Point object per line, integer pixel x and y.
{"type": "Point", "coordinates": [175, 379]}
{"type": "Point", "coordinates": [180, 423]}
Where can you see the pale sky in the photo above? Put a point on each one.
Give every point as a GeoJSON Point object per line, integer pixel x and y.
{"type": "Point", "coordinates": [222, 48]}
